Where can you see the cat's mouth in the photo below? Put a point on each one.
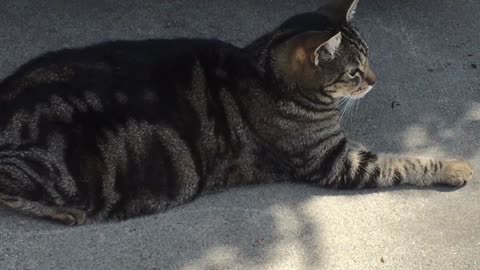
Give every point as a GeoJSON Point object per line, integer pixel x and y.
{"type": "Point", "coordinates": [361, 92]}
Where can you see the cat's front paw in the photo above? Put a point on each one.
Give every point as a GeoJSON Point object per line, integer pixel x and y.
{"type": "Point", "coordinates": [457, 173]}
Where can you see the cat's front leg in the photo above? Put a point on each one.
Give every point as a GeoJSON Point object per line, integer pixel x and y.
{"type": "Point", "coordinates": [363, 169]}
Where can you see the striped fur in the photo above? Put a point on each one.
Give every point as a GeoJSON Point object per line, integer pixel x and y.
{"type": "Point", "coordinates": [129, 128]}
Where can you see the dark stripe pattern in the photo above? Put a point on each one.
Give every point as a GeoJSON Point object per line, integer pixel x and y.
{"type": "Point", "coordinates": [128, 128]}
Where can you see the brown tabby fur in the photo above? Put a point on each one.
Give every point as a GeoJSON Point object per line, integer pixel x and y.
{"type": "Point", "coordinates": [128, 128]}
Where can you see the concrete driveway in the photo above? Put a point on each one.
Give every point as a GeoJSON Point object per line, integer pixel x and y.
{"type": "Point", "coordinates": [427, 56]}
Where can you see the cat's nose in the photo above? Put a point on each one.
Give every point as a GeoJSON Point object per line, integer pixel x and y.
{"type": "Point", "coordinates": [370, 76]}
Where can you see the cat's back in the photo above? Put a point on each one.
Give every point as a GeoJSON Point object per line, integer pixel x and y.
{"type": "Point", "coordinates": [129, 65]}
{"type": "Point", "coordinates": [88, 91]}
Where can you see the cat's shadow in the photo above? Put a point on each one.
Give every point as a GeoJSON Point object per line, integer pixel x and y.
{"type": "Point", "coordinates": [246, 226]}
{"type": "Point", "coordinates": [355, 192]}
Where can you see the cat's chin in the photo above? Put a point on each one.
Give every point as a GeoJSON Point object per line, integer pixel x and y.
{"type": "Point", "coordinates": [363, 93]}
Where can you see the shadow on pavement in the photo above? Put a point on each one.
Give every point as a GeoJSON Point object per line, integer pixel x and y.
{"type": "Point", "coordinates": [426, 102]}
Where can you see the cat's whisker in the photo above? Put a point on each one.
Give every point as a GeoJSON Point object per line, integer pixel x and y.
{"type": "Point", "coordinates": [346, 106]}
{"type": "Point", "coordinates": [351, 109]}
{"type": "Point", "coordinates": [357, 104]}
{"type": "Point", "coordinates": [344, 109]}
{"type": "Point", "coordinates": [342, 101]}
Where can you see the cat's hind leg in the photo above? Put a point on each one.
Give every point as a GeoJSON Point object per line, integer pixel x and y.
{"type": "Point", "coordinates": [32, 183]}
{"type": "Point", "coordinates": [67, 216]}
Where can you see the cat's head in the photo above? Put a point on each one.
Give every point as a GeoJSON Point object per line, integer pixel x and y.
{"type": "Point", "coordinates": [320, 51]}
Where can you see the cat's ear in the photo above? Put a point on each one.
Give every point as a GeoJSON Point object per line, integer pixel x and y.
{"type": "Point", "coordinates": [309, 48]}
{"type": "Point", "coordinates": [328, 49]}
{"type": "Point", "coordinates": [340, 10]}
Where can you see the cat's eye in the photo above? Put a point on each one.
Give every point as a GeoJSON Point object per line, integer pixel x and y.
{"type": "Point", "coordinates": [354, 72]}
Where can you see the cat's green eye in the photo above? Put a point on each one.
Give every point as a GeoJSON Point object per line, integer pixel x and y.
{"type": "Point", "coordinates": [354, 72]}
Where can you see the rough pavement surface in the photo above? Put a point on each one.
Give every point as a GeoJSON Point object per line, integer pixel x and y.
{"type": "Point", "coordinates": [426, 54]}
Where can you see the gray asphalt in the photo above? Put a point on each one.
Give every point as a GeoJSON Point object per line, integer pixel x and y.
{"type": "Point", "coordinates": [426, 54]}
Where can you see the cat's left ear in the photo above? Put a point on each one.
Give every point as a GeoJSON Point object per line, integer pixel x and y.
{"type": "Point", "coordinates": [311, 46]}
{"type": "Point", "coordinates": [306, 49]}
{"type": "Point", "coordinates": [328, 49]}
{"type": "Point", "coordinates": [340, 10]}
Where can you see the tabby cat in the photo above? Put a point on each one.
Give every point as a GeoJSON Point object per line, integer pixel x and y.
{"type": "Point", "coordinates": [128, 128]}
